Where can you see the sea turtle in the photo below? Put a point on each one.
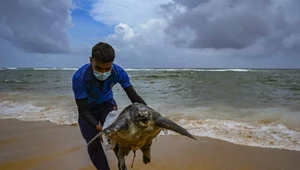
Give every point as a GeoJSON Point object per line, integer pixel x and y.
{"type": "Point", "coordinates": [135, 128]}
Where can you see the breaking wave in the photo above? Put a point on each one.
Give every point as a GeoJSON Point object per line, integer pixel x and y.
{"type": "Point", "coordinates": [56, 68]}
{"type": "Point", "coordinates": [30, 112]}
{"type": "Point", "coordinates": [270, 134]}
{"type": "Point", "coordinates": [267, 135]}
{"type": "Point", "coordinates": [237, 70]}
{"type": "Point", "coordinates": [38, 68]}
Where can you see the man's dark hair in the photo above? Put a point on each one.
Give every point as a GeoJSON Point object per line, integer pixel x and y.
{"type": "Point", "coordinates": [103, 52]}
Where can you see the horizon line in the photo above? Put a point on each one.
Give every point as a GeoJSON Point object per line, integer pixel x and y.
{"type": "Point", "coordinates": [165, 67]}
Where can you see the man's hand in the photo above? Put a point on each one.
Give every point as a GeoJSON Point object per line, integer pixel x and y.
{"type": "Point", "coordinates": [99, 129]}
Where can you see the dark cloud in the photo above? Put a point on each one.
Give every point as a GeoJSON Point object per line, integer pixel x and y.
{"type": "Point", "coordinates": [36, 26]}
{"type": "Point", "coordinates": [190, 4]}
{"type": "Point", "coordinates": [234, 24]}
{"type": "Point", "coordinates": [14, 57]}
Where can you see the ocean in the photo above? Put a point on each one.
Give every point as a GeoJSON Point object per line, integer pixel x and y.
{"type": "Point", "coordinates": [254, 107]}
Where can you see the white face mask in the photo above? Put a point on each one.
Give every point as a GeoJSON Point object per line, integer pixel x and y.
{"type": "Point", "coordinates": [101, 76]}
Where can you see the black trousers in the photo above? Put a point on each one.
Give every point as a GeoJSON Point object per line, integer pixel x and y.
{"type": "Point", "coordinates": [95, 150]}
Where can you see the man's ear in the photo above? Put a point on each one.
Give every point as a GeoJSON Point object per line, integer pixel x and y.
{"type": "Point", "coordinates": [91, 60]}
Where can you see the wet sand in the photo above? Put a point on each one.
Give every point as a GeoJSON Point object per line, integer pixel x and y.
{"type": "Point", "coordinates": [46, 146]}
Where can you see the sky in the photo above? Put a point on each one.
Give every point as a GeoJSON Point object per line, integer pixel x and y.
{"type": "Point", "coordinates": [152, 33]}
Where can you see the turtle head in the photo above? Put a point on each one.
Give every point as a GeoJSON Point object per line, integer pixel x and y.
{"type": "Point", "coordinates": [143, 117]}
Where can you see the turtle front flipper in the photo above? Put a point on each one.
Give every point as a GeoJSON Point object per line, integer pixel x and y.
{"type": "Point", "coordinates": [94, 138]}
{"type": "Point", "coordinates": [122, 123]}
{"type": "Point", "coordinates": [146, 149]}
{"type": "Point", "coordinates": [165, 123]}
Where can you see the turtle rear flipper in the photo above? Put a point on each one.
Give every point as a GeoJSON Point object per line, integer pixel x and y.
{"type": "Point", "coordinates": [121, 154]}
{"type": "Point", "coordinates": [146, 149]}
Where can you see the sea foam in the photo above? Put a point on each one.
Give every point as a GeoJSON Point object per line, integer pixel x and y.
{"type": "Point", "coordinates": [271, 134]}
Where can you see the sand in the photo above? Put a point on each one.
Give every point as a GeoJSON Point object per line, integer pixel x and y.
{"type": "Point", "coordinates": [46, 146]}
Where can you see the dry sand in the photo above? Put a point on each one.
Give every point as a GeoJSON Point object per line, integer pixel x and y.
{"type": "Point", "coordinates": [46, 146]}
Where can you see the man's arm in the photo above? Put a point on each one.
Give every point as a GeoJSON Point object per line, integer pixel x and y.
{"type": "Point", "coordinates": [133, 96]}
{"type": "Point", "coordinates": [83, 110]}
{"type": "Point", "coordinates": [124, 80]}
{"type": "Point", "coordinates": [81, 99]}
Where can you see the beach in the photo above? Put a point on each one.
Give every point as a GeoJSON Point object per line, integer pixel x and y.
{"type": "Point", "coordinates": [242, 119]}
{"type": "Point", "coordinates": [38, 145]}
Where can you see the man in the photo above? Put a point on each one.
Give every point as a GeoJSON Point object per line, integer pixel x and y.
{"type": "Point", "coordinates": [92, 86]}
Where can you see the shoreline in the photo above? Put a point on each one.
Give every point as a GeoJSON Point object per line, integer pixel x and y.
{"type": "Point", "coordinates": [45, 145]}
